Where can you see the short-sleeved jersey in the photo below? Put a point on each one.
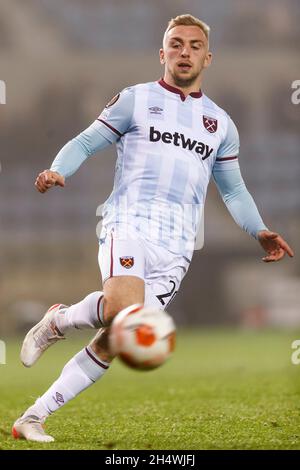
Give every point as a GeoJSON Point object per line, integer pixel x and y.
{"type": "Point", "coordinates": [168, 145]}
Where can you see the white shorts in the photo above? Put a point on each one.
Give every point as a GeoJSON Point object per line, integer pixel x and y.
{"type": "Point", "coordinates": [161, 270]}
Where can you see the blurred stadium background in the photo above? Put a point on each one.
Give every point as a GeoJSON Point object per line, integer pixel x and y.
{"type": "Point", "coordinates": [62, 60]}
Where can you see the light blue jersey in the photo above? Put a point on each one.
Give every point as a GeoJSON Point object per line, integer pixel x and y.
{"type": "Point", "coordinates": [168, 148]}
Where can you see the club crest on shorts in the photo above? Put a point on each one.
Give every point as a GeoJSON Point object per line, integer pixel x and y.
{"type": "Point", "coordinates": [127, 261]}
{"type": "Point", "coordinates": [210, 124]}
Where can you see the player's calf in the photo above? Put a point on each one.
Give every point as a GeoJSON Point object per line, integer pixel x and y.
{"type": "Point", "coordinates": [100, 345]}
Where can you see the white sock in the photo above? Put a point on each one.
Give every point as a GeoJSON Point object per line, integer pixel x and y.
{"type": "Point", "coordinates": [88, 313]}
{"type": "Point", "coordinates": [84, 369]}
{"type": "Point", "coordinates": [38, 410]}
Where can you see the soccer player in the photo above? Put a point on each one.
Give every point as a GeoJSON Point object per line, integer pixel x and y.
{"type": "Point", "coordinates": [171, 138]}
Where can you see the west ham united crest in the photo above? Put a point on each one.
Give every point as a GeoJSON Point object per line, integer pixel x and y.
{"type": "Point", "coordinates": [127, 261]}
{"type": "Point", "coordinates": [210, 124]}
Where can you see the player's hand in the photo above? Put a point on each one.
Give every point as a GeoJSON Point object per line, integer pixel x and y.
{"type": "Point", "coordinates": [47, 179]}
{"type": "Point", "coordinates": [275, 246]}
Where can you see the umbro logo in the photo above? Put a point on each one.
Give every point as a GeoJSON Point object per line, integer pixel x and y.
{"type": "Point", "coordinates": [59, 399]}
{"type": "Point", "coordinates": [179, 140]}
{"type": "Point", "coordinates": [155, 110]}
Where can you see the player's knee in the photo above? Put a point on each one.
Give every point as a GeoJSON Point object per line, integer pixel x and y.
{"type": "Point", "coordinates": [119, 293]}
{"type": "Point", "coordinates": [113, 306]}
{"type": "Point", "coordinates": [110, 310]}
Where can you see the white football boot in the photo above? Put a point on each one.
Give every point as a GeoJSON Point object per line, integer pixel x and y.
{"type": "Point", "coordinates": [43, 335]}
{"type": "Point", "coordinates": [31, 429]}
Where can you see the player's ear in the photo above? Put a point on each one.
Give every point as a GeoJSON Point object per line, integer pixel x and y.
{"type": "Point", "coordinates": [208, 59]}
{"type": "Point", "coordinates": [161, 56]}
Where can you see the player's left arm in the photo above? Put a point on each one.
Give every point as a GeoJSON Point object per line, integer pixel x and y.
{"type": "Point", "coordinates": [238, 200]}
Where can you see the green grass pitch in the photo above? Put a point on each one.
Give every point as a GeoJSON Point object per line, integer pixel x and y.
{"type": "Point", "coordinates": [222, 389]}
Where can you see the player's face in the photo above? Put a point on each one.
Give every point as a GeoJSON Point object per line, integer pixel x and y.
{"type": "Point", "coordinates": [185, 54]}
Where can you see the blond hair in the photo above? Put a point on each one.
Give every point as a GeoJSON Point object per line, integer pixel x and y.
{"type": "Point", "coordinates": [187, 20]}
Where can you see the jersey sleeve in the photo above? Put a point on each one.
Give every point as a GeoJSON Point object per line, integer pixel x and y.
{"type": "Point", "coordinates": [117, 115]}
{"type": "Point", "coordinates": [112, 123]}
{"type": "Point", "coordinates": [239, 201]}
{"type": "Point", "coordinates": [227, 154]}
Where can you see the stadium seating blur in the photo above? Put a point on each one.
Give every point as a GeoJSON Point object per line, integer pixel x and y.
{"type": "Point", "coordinates": [62, 60]}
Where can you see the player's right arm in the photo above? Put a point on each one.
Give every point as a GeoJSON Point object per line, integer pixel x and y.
{"type": "Point", "coordinates": [112, 123]}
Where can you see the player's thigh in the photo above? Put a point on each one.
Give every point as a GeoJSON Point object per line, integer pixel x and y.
{"type": "Point", "coordinates": [120, 292]}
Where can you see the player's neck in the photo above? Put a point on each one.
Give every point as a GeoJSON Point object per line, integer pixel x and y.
{"type": "Point", "coordinates": [193, 88]}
